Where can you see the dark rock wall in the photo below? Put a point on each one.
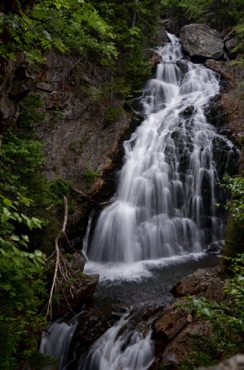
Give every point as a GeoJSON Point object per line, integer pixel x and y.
{"type": "Point", "coordinates": [77, 135]}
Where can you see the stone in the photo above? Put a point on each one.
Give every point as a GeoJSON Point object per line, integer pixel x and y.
{"type": "Point", "coordinates": [180, 346]}
{"type": "Point", "coordinates": [200, 40]}
{"type": "Point", "coordinates": [171, 323]}
{"type": "Point", "coordinates": [203, 282]}
{"type": "Point", "coordinates": [230, 42]}
{"type": "Point", "coordinates": [215, 248]}
{"type": "Point", "coordinates": [234, 363]}
{"type": "Point", "coordinates": [44, 87]}
{"type": "Point", "coordinates": [233, 107]}
{"type": "Point", "coordinates": [224, 69]}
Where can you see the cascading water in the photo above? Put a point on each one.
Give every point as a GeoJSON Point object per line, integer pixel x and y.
{"type": "Point", "coordinates": [56, 341]}
{"type": "Point", "coordinates": [113, 351]}
{"type": "Point", "coordinates": [164, 211]}
{"type": "Point", "coordinates": [165, 203]}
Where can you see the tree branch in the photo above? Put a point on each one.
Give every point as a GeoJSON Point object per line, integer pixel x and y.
{"type": "Point", "coordinates": [62, 232]}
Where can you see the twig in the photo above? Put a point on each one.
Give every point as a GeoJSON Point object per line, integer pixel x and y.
{"type": "Point", "coordinates": [49, 307]}
{"type": "Point", "coordinates": [89, 198]}
{"type": "Point", "coordinates": [84, 195]}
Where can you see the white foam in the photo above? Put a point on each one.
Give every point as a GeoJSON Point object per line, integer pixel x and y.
{"type": "Point", "coordinates": [137, 271]}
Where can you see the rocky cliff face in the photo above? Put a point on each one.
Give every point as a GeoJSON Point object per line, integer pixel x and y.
{"type": "Point", "coordinates": [15, 84]}
{"type": "Point", "coordinates": [83, 123]}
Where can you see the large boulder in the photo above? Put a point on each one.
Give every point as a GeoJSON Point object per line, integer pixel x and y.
{"type": "Point", "coordinates": [199, 40]}
{"type": "Point", "coordinates": [205, 282]}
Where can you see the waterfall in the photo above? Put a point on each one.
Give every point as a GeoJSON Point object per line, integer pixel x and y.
{"type": "Point", "coordinates": [113, 350]}
{"type": "Point", "coordinates": [164, 211]}
{"type": "Point", "coordinates": [56, 341]}
{"type": "Point", "coordinates": [165, 202]}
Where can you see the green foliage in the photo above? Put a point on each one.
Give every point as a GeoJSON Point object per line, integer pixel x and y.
{"type": "Point", "coordinates": [90, 175]}
{"type": "Point", "coordinates": [29, 114]}
{"type": "Point", "coordinates": [21, 160]}
{"type": "Point", "coordinates": [64, 25]}
{"type": "Point", "coordinates": [112, 115]}
{"type": "Point", "coordinates": [218, 14]}
{"type": "Point", "coordinates": [235, 226]}
{"type": "Point", "coordinates": [22, 287]}
{"type": "Point", "coordinates": [221, 15]}
{"type": "Point", "coordinates": [59, 188]}
{"type": "Point", "coordinates": [236, 205]}
{"type": "Point", "coordinates": [239, 29]}
{"type": "Point", "coordinates": [227, 320]}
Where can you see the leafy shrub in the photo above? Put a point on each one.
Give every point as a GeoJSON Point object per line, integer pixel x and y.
{"type": "Point", "coordinates": [227, 320]}
{"type": "Point", "coordinates": [235, 226]}
{"type": "Point", "coordinates": [90, 175]}
{"type": "Point", "coordinates": [22, 287]}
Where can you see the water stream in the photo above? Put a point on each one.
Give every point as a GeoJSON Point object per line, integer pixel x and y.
{"type": "Point", "coordinates": [163, 215]}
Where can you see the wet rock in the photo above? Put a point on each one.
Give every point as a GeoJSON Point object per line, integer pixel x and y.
{"type": "Point", "coordinates": [199, 40]}
{"type": "Point", "coordinates": [234, 363]}
{"type": "Point", "coordinates": [233, 106]}
{"type": "Point", "coordinates": [187, 112]}
{"type": "Point", "coordinates": [160, 36]}
{"type": "Point", "coordinates": [226, 158]}
{"type": "Point", "coordinates": [215, 248]}
{"type": "Point", "coordinates": [170, 324]}
{"type": "Point", "coordinates": [203, 282]}
{"type": "Point", "coordinates": [154, 60]}
{"type": "Point", "coordinates": [181, 345]}
{"type": "Point", "coordinates": [230, 42]}
{"type": "Point", "coordinates": [224, 69]}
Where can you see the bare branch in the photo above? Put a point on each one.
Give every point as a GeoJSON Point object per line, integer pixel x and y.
{"type": "Point", "coordinates": [62, 232]}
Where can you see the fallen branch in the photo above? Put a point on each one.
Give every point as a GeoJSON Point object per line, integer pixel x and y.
{"type": "Point", "coordinates": [89, 198]}
{"type": "Point", "coordinates": [84, 195]}
{"type": "Point", "coordinates": [62, 232]}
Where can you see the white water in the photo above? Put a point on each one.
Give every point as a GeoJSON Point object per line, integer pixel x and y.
{"type": "Point", "coordinates": [165, 203]}
{"type": "Point", "coordinates": [113, 351]}
{"type": "Point", "coordinates": [56, 341]}
{"type": "Point", "coordinates": [164, 210]}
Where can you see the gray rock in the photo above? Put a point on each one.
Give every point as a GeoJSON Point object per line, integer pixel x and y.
{"type": "Point", "coordinates": [44, 87]}
{"type": "Point", "coordinates": [234, 363]}
{"type": "Point", "coordinates": [204, 282]}
{"type": "Point", "coordinates": [199, 40]}
{"type": "Point", "coordinates": [230, 42]}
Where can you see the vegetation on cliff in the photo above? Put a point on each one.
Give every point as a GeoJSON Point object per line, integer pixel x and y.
{"type": "Point", "coordinates": [109, 33]}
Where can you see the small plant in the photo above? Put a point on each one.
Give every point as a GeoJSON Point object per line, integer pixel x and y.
{"type": "Point", "coordinates": [227, 319]}
{"type": "Point", "coordinates": [112, 115]}
{"type": "Point", "coordinates": [59, 188]}
{"type": "Point", "coordinates": [235, 226]}
{"type": "Point", "coordinates": [30, 114]}
{"type": "Point", "coordinates": [90, 175]}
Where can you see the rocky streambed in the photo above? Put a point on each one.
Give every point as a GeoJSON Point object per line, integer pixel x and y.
{"type": "Point", "coordinates": [148, 307]}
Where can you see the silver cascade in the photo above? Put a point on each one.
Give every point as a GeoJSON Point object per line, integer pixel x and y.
{"type": "Point", "coordinates": [165, 203]}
